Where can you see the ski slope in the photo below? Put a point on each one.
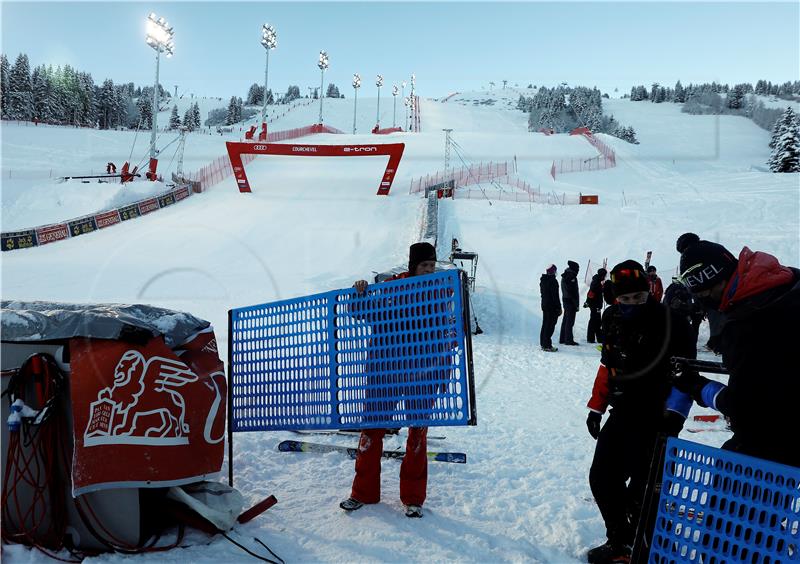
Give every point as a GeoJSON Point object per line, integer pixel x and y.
{"type": "Point", "coordinates": [312, 225]}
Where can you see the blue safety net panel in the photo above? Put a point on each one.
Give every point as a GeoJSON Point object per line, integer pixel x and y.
{"type": "Point", "coordinates": [399, 355]}
{"type": "Point", "coordinates": [719, 506]}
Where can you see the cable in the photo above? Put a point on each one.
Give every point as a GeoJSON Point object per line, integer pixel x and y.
{"type": "Point", "coordinates": [253, 554]}
{"type": "Point", "coordinates": [457, 149]}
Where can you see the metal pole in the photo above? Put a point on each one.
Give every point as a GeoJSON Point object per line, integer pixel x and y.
{"type": "Point", "coordinates": [446, 151]}
{"type": "Point", "coordinates": [154, 111]}
{"type": "Point", "coordinates": [394, 111]}
{"type": "Point", "coordinates": [266, 76]}
{"type": "Point", "coordinates": [321, 80]}
{"type": "Point", "coordinates": [378, 121]}
{"type": "Point", "coordinates": [405, 110]}
{"type": "Point", "coordinates": [355, 105]}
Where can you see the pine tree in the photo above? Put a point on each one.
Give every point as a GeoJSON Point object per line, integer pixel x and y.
{"type": "Point", "coordinates": [255, 95]}
{"type": "Point", "coordinates": [20, 94]}
{"type": "Point", "coordinates": [39, 88]}
{"type": "Point", "coordinates": [785, 144]}
{"type": "Point", "coordinates": [680, 93]}
{"type": "Point", "coordinates": [196, 122]}
{"type": "Point", "coordinates": [174, 120]}
{"type": "Point", "coordinates": [231, 118]}
{"type": "Point", "coordinates": [145, 106]}
{"type": "Point", "coordinates": [188, 119]}
{"type": "Point", "coordinates": [5, 85]}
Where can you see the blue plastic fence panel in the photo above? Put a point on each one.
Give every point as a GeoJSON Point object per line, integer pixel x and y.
{"type": "Point", "coordinates": [719, 506]}
{"type": "Point", "coordinates": [397, 356]}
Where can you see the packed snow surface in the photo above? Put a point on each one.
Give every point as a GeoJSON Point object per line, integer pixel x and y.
{"type": "Point", "coordinates": [312, 225]}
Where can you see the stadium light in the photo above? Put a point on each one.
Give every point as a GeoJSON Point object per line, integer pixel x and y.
{"type": "Point", "coordinates": [269, 40]}
{"type": "Point", "coordinates": [159, 37]}
{"type": "Point", "coordinates": [395, 92]}
{"type": "Point", "coordinates": [403, 96]}
{"type": "Point", "coordinates": [379, 83]}
{"type": "Point", "coordinates": [356, 86]}
{"type": "Point", "coordinates": [322, 64]}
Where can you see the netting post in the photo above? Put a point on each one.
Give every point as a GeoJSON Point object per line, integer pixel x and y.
{"type": "Point", "coordinates": [230, 398]}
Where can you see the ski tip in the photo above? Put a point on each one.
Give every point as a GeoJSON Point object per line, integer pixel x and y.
{"type": "Point", "coordinates": [456, 457]}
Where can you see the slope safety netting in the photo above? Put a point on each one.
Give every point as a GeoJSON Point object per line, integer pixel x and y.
{"type": "Point", "coordinates": [397, 356]}
{"type": "Point", "coordinates": [719, 506]}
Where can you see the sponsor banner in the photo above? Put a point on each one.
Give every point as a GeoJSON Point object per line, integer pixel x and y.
{"type": "Point", "coordinates": [166, 200]}
{"type": "Point", "coordinates": [82, 225]}
{"type": "Point", "coordinates": [107, 218]}
{"type": "Point", "coordinates": [181, 193]}
{"type": "Point", "coordinates": [129, 212]}
{"type": "Point", "coordinates": [50, 233]}
{"type": "Point", "coordinates": [147, 206]}
{"type": "Point", "coordinates": [144, 415]}
{"type": "Point", "coordinates": [19, 239]}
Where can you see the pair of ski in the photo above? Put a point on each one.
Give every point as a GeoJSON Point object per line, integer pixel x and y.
{"type": "Point", "coordinates": [357, 432]}
{"type": "Point", "coordinates": [305, 446]}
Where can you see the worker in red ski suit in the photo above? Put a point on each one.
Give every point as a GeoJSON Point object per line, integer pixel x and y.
{"type": "Point", "coordinates": [414, 467]}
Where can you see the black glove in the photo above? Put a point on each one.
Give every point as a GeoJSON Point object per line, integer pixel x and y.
{"type": "Point", "coordinates": [585, 304]}
{"type": "Point", "coordinates": [672, 423]}
{"type": "Point", "coordinates": [689, 381]}
{"type": "Point", "coordinates": [593, 424]}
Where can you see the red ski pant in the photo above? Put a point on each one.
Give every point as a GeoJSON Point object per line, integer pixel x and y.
{"type": "Point", "coordinates": [413, 469]}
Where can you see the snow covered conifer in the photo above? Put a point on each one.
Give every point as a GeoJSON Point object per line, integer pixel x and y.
{"type": "Point", "coordinates": [785, 144]}
{"type": "Point", "coordinates": [20, 94]}
{"type": "Point", "coordinates": [188, 119]}
{"type": "Point", "coordinates": [174, 120]}
{"type": "Point", "coordinates": [196, 121]}
{"type": "Point", "coordinates": [5, 81]}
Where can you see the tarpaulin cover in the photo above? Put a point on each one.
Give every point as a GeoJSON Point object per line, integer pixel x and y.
{"type": "Point", "coordinates": [51, 321]}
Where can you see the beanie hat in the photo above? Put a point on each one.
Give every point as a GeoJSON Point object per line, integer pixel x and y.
{"type": "Point", "coordinates": [420, 252]}
{"type": "Point", "coordinates": [685, 240]}
{"type": "Point", "coordinates": [629, 277]}
{"type": "Point", "coordinates": [551, 269]}
{"type": "Point", "coordinates": [651, 268]}
{"type": "Point", "coordinates": [573, 266]}
{"type": "Point", "coordinates": [704, 264]}
{"type": "Point", "coordinates": [602, 272]}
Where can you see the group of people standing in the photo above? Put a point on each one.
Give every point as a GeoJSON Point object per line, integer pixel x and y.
{"type": "Point", "coordinates": [757, 301]}
{"type": "Point", "coordinates": [600, 292]}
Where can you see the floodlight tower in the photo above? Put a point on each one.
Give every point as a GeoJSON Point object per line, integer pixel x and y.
{"type": "Point", "coordinates": [379, 83]}
{"type": "Point", "coordinates": [413, 105]}
{"type": "Point", "coordinates": [269, 39]}
{"type": "Point", "coordinates": [395, 92]}
{"type": "Point", "coordinates": [322, 64]}
{"type": "Point", "coordinates": [356, 86]}
{"type": "Point", "coordinates": [159, 37]}
{"type": "Point", "coordinates": [406, 103]}
{"type": "Point", "coordinates": [403, 96]}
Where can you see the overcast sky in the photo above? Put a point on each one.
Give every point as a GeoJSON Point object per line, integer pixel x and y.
{"type": "Point", "coordinates": [451, 46]}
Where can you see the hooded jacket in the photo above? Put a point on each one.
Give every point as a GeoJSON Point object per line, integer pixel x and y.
{"type": "Point", "coordinates": [548, 287]}
{"type": "Point", "coordinates": [569, 287]}
{"type": "Point", "coordinates": [758, 342]}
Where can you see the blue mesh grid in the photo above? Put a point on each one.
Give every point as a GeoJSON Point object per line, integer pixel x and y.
{"type": "Point", "coordinates": [719, 506]}
{"type": "Point", "coordinates": [398, 356]}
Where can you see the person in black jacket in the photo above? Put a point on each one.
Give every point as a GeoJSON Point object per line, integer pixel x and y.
{"type": "Point", "coordinates": [680, 300]}
{"type": "Point", "coordinates": [760, 301]}
{"type": "Point", "coordinates": [594, 301]}
{"type": "Point", "coordinates": [571, 301]}
{"type": "Point", "coordinates": [551, 307]}
{"type": "Point", "coordinates": [640, 336]}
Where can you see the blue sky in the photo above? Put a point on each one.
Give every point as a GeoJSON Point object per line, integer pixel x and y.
{"type": "Point", "coordinates": [451, 46]}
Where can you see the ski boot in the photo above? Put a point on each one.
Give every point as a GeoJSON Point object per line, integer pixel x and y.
{"type": "Point", "coordinates": [609, 553]}
{"type": "Point", "coordinates": [351, 504]}
{"type": "Point", "coordinates": [413, 511]}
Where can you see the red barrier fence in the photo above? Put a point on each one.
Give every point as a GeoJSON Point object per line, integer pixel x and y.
{"type": "Point", "coordinates": [606, 159]}
{"type": "Point", "coordinates": [220, 168]}
{"type": "Point", "coordinates": [475, 174]}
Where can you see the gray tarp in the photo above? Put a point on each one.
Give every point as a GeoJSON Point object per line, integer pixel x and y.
{"type": "Point", "coordinates": [50, 321]}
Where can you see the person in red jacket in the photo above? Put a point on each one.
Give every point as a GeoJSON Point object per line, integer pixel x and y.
{"type": "Point", "coordinates": [656, 287]}
{"type": "Point", "coordinates": [639, 337]}
{"type": "Point", "coordinates": [414, 468]}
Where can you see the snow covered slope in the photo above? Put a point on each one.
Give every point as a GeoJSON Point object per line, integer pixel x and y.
{"type": "Point", "coordinates": [315, 224]}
